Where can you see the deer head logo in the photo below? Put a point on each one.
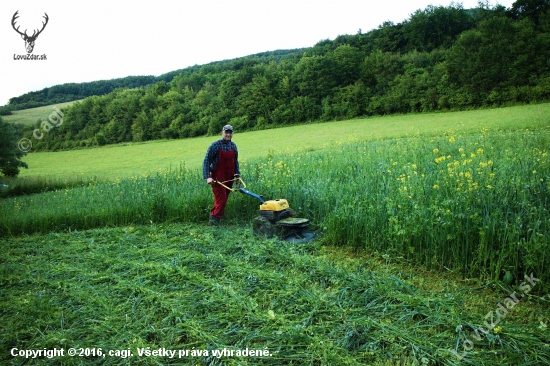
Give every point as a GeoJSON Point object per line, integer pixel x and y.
{"type": "Point", "coordinates": [29, 40]}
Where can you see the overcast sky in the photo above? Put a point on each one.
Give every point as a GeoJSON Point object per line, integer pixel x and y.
{"type": "Point", "coordinates": [105, 39]}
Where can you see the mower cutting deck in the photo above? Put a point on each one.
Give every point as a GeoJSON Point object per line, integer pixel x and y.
{"type": "Point", "coordinates": [276, 218]}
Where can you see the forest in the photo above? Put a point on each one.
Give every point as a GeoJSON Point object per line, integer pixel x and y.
{"type": "Point", "coordinates": [440, 59]}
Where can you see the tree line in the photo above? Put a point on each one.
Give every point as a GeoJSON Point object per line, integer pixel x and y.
{"type": "Point", "coordinates": [441, 58]}
{"type": "Point", "coordinates": [72, 91]}
{"type": "Point", "coordinates": [75, 91]}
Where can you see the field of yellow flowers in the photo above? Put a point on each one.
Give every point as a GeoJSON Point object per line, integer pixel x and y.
{"type": "Point", "coordinates": [478, 203]}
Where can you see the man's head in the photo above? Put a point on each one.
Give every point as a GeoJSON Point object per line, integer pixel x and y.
{"type": "Point", "coordinates": [227, 132]}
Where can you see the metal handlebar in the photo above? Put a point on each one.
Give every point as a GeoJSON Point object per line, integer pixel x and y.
{"type": "Point", "coordinates": [237, 180]}
{"type": "Point", "coordinates": [242, 189]}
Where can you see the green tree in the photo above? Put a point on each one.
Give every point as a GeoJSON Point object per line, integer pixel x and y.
{"type": "Point", "coordinates": [5, 110]}
{"type": "Point", "coordinates": [436, 26]}
{"type": "Point", "coordinates": [532, 9]}
{"type": "Point", "coordinates": [160, 88]}
{"type": "Point", "coordinates": [499, 55]}
{"type": "Point", "coordinates": [141, 128]}
{"type": "Point", "coordinates": [256, 99]}
{"type": "Point", "coordinates": [482, 58]}
{"type": "Point", "coordinates": [303, 109]}
{"type": "Point", "coordinates": [10, 154]}
{"type": "Point", "coordinates": [387, 38]}
{"type": "Point", "coordinates": [348, 61]}
{"type": "Point", "coordinates": [316, 76]}
{"type": "Point", "coordinates": [379, 69]}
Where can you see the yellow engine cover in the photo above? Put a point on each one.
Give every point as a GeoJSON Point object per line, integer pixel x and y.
{"type": "Point", "coordinates": [274, 205]}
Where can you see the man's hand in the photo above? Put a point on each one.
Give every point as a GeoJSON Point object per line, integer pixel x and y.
{"type": "Point", "coordinates": [209, 180]}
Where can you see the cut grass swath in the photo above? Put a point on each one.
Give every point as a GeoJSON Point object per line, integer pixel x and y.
{"type": "Point", "coordinates": [184, 286]}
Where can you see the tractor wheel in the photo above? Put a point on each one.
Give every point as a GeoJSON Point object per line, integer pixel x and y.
{"type": "Point", "coordinates": [262, 227]}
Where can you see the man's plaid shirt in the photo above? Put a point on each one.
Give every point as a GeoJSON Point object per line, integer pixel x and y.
{"type": "Point", "coordinates": [212, 156]}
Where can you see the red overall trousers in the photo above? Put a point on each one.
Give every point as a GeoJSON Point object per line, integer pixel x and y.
{"type": "Point", "coordinates": [225, 171]}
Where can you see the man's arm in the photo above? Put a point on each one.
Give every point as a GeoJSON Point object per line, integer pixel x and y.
{"type": "Point", "coordinates": [237, 171]}
{"type": "Point", "coordinates": [208, 159]}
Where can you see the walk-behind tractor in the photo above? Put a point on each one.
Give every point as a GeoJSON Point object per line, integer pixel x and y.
{"type": "Point", "coordinates": [276, 218]}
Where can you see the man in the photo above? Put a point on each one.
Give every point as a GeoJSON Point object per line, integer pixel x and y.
{"type": "Point", "coordinates": [221, 163]}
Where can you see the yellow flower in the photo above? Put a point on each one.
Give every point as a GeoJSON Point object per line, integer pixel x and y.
{"type": "Point", "coordinates": [498, 329]}
{"type": "Point", "coordinates": [435, 151]}
{"type": "Point", "coordinates": [452, 139]}
{"type": "Point", "coordinates": [436, 186]}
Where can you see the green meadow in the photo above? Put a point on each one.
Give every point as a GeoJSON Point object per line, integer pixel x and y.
{"type": "Point", "coordinates": [125, 160]}
{"type": "Point", "coordinates": [433, 247]}
{"type": "Point", "coordinates": [32, 115]}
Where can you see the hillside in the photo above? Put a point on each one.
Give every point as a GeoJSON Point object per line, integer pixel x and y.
{"type": "Point", "coordinates": [68, 92]}
{"type": "Point", "coordinates": [442, 58]}
{"type": "Point", "coordinates": [31, 116]}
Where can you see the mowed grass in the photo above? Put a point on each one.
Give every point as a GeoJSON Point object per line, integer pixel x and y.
{"type": "Point", "coordinates": [189, 287]}
{"type": "Point", "coordinates": [32, 115]}
{"type": "Point", "coordinates": [126, 160]}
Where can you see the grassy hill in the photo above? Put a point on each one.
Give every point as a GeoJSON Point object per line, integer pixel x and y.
{"type": "Point", "coordinates": [31, 115]}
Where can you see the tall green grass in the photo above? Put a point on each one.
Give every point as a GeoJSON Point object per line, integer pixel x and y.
{"type": "Point", "coordinates": [18, 186]}
{"type": "Point", "coordinates": [478, 203]}
{"type": "Point", "coordinates": [175, 195]}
